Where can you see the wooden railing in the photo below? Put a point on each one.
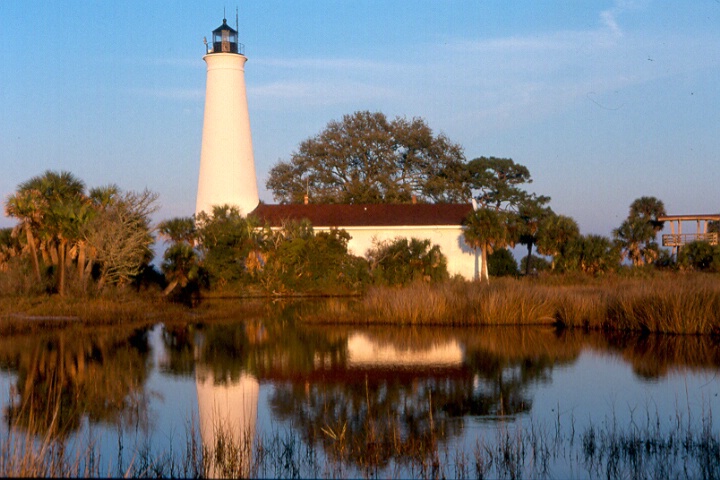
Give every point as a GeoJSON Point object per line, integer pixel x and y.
{"type": "Point", "coordinates": [679, 239]}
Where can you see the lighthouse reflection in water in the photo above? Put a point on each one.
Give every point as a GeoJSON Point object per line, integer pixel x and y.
{"type": "Point", "coordinates": [227, 409]}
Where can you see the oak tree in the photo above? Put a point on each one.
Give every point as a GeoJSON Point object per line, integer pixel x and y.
{"type": "Point", "coordinates": [496, 183]}
{"type": "Point", "coordinates": [366, 158]}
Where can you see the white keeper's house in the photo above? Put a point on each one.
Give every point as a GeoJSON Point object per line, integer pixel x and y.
{"type": "Point", "coordinates": [227, 175]}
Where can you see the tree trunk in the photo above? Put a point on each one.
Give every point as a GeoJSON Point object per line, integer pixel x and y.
{"type": "Point", "coordinates": [103, 278]}
{"type": "Point", "coordinates": [33, 253]}
{"type": "Point", "coordinates": [170, 287]}
{"type": "Point", "coordinates": [484, 274]}
{"type": "Point", "coordinates": [61, 266]}
{"type": "Point", "coordinates": [53, 250]}
{"type": "Point", "coordinates": [81, 264]}
{"type": "Point", "coordinates": [529, 257]}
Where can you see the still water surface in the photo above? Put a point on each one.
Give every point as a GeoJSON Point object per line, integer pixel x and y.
{"type": "Point", "coordinates": [272, 377]}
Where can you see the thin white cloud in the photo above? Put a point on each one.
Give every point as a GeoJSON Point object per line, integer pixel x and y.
{"type": "Point", "coordinates": [608, 19]}
{"type": "Point", "coordinates": [515, 44]}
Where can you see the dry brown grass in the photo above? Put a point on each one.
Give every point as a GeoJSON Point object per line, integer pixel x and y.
{"type": "Point", "coordinates": [662, 303]}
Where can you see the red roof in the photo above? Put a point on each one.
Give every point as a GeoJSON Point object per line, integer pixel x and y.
{"type": "Point", "coordinates": [368, 215]}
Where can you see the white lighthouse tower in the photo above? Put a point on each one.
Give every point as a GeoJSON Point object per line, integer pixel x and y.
{"type": "Point", "coordinates": [227, 166]}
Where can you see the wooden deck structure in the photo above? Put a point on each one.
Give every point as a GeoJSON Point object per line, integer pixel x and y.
{"type": "Point", "coordinates": [676, 238]}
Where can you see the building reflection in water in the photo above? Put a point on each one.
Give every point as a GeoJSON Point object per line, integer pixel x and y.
{"type": "Point", "coordinates": [364, 351]}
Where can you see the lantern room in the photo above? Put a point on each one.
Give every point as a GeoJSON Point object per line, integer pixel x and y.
{"type": "Point", "coordinates": [225, 40]}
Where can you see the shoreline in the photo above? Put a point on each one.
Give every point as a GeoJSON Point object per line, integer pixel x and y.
{"type": "Point", "coordinates": [670, 303]}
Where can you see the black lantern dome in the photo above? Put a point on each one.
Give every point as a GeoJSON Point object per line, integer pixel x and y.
{"type": "Point", "coordinates": [225, 40]}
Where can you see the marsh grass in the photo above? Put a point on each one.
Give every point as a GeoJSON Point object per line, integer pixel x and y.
{"type": "Point", "coordinates": [43, 312]}
{"type": "Point", "coordinates": [643, 448]}
{"type": "Point", "coordinates": [39, 449]}
{"type": "Point", "coordinates": [38, 313]}
{"type": "Point", "coordinates": [679, 303]}
{"type": "Point", "coordinates": [662, 303]}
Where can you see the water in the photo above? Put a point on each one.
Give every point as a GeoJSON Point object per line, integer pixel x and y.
{"type": "Point", "coordinates": [374, 398]}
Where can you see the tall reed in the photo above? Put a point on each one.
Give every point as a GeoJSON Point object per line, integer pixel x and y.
{"type": "Point", "coordinates": [690, 448]}
{"type": "Point", "coordinates": [677, 303]}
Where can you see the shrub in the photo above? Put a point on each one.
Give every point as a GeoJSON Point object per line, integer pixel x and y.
{"type": "Point", "coordinates": [537, 265]}
{"type": "Point", "coordinates": [402, 261]}
{"type": "Point", "coordinates": [501, 263]}
{"type": "Point", "coordinates": [225, 240]}
{"type": "Point", "coordinates": [299, 260]}
{"type": "Point", "coordinates": [699, 256]}
{"type": "Point", "coordinates": [593, 254]}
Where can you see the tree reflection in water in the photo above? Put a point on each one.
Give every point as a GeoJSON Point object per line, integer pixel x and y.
{"type": "Point", "coordinates": [400, 409]}
{"type": "Point", "coordinates": [368, 410]}
{"type": "Point", "coordinates": [66, 375]}
{"type": "Point", "coordinates": [387, 403]}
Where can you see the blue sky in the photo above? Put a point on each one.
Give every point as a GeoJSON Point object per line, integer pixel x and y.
{"type": "Point", "coordinates": [603, 101]}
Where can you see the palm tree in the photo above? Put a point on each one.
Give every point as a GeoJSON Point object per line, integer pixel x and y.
{"type": "Point", "coordinates": [178, 230]}
{"type": "Point", "coordinates": [9, 247]}
{"type": "Point", "coordinates": [591, 254]}
{"type": "Point", "coordinates": [66, 197]}
{"type": "Point", "coordinates": [180, 266]}
{"type": "Point", "coordinates": [530, 214]}
{"type": "Point", "coordinates": [648, 208]}
{"type": "Point", "coordinates": [554, 233]}
{"type": "Point", "coordinates": [636, 235]}
{"type": "Point", "coordinates": [488, 229]}
{"type": "Point", "coordinates": [63, 196]}
{"type": "Point", "coordinates": [102, 197]}
{"type": "Point", "coordinates": [27, 206]}
{"type": "Point", "coordinates": [631, 237]}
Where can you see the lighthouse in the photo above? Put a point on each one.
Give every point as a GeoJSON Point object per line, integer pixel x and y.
{"type": "Point", "coordinates": [227, 166]}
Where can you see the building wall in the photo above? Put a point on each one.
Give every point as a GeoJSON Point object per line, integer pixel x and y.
{"type": "Point", "coordinates": [462, 260]}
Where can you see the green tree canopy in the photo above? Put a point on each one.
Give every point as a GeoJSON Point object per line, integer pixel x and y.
{"type": "Point", "coordinates": [296, 259]}
{"type": "Point", "coordinates": [226, 239]}
{"type": "Point", "coordinates": [178, 230]}
{"type": "Point", "coordinates": [699, 256]}
{"type": "Point", "coordinates": [496, 183]}
{"type": "Point", "coordinates": [366, 158]}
